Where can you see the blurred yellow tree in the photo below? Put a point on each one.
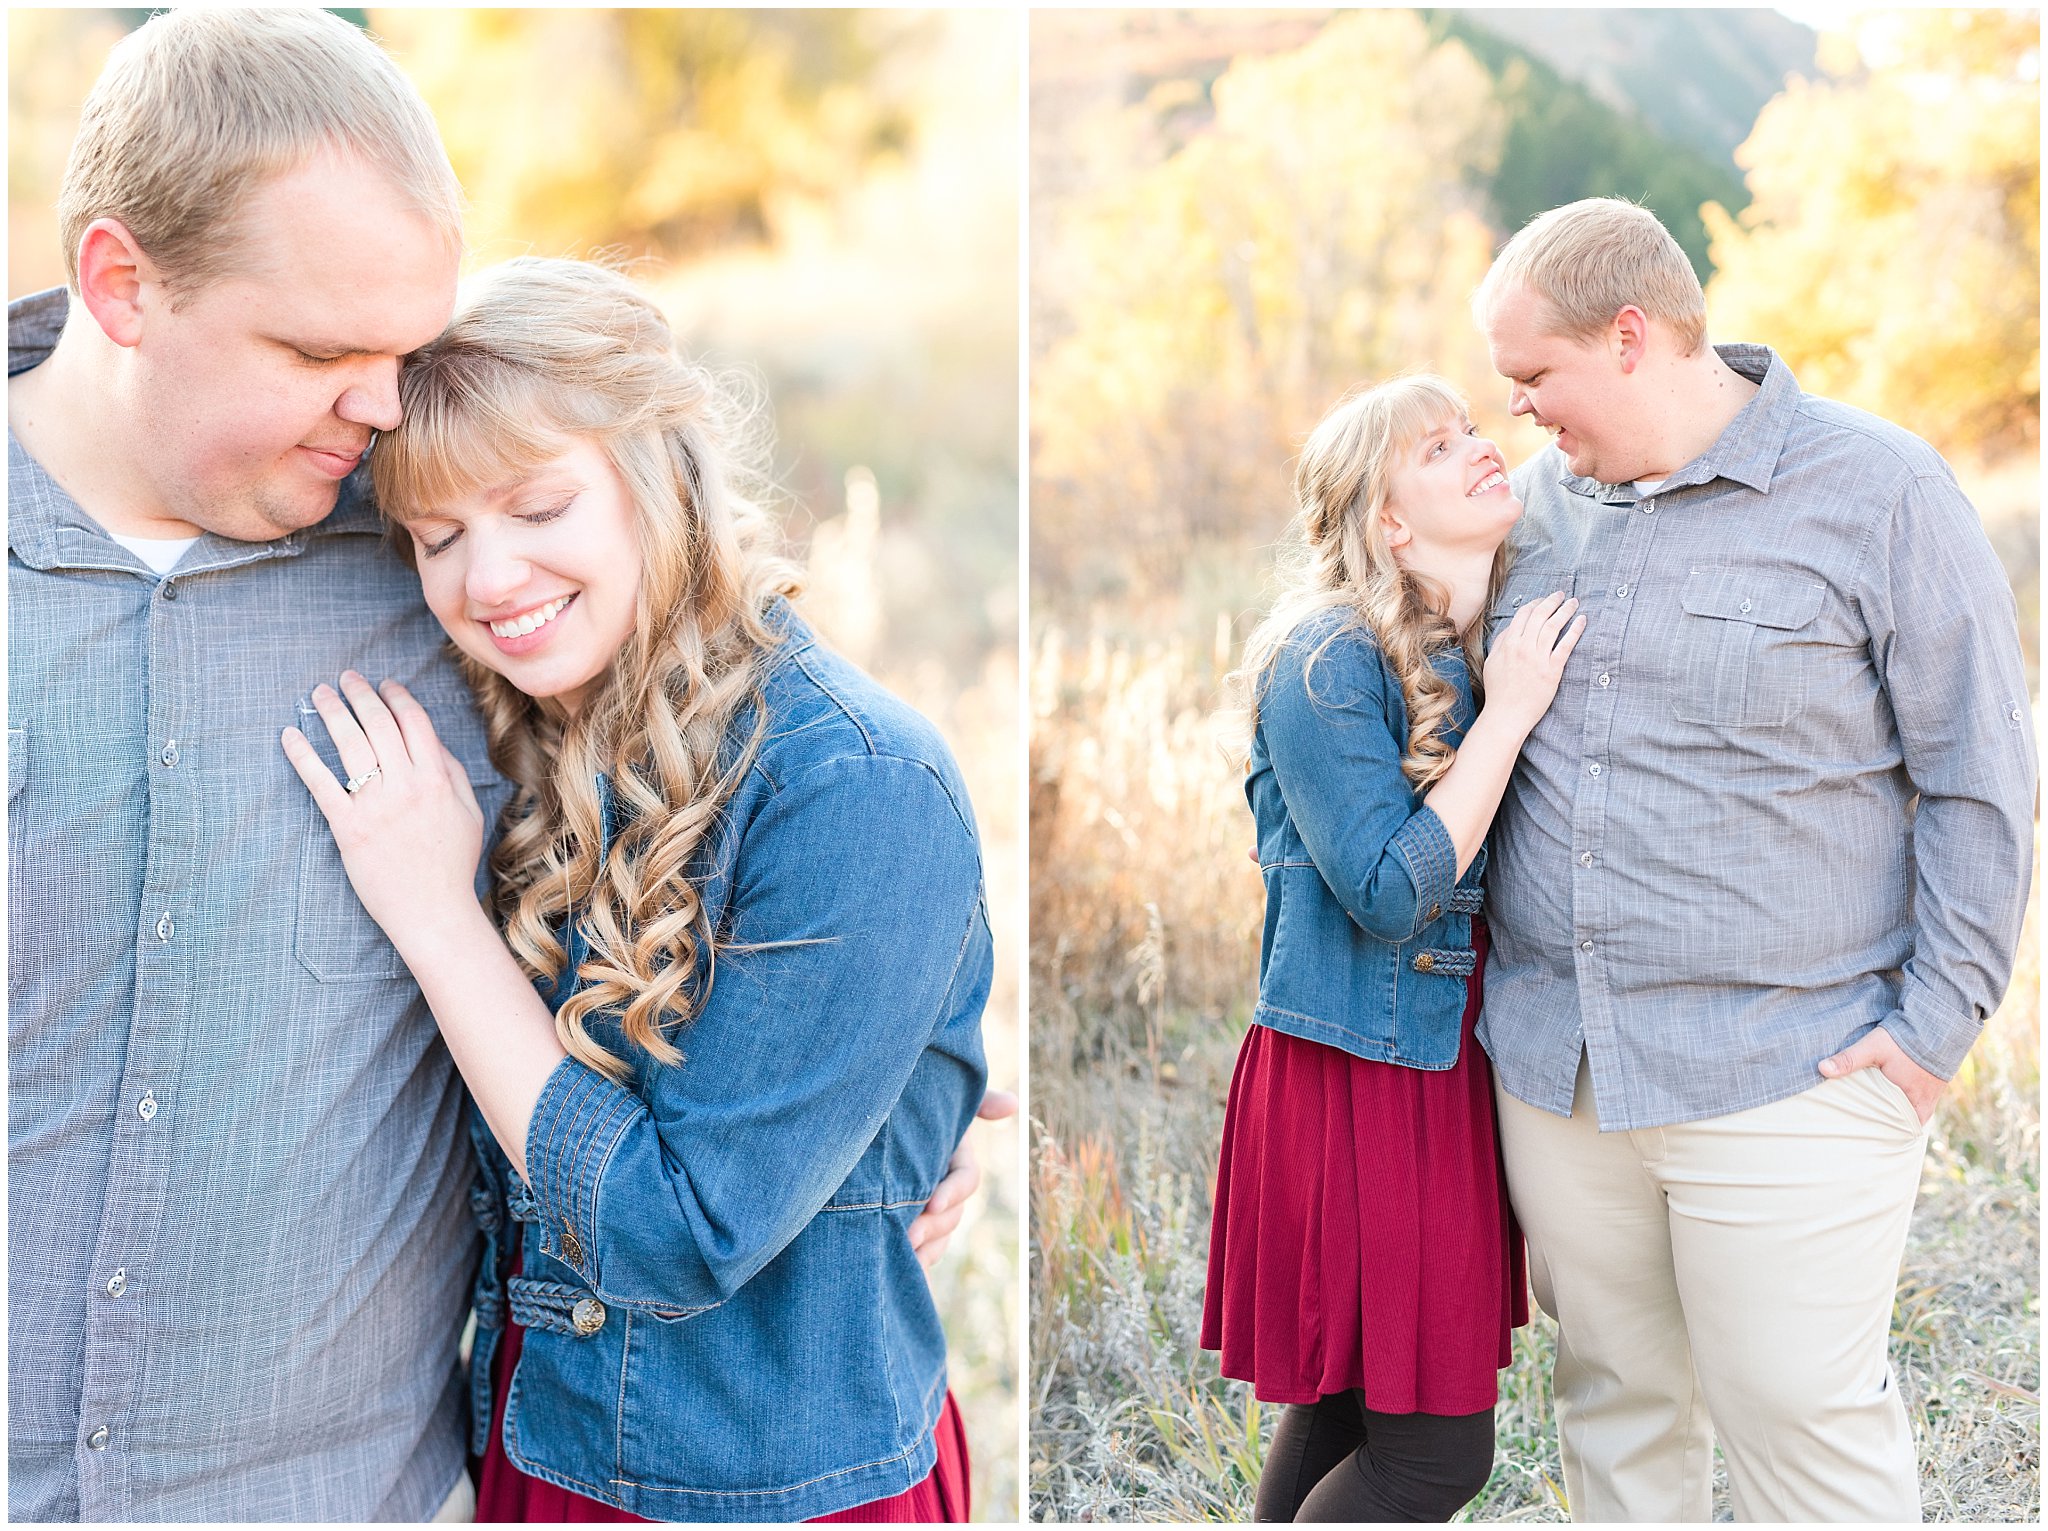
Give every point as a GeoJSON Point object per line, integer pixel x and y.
{"type": "Point", "coordinates": [1323, 229]}
{"type": "Point", "coordinates": [67, 49]}
{"type": "Point", "coordinates": [1891, 253]}
{"type": "Point", "coordinates": [661, 130]}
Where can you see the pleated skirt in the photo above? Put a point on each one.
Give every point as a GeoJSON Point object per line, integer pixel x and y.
{"type": "Point", "coordinates": [1362, 1236]}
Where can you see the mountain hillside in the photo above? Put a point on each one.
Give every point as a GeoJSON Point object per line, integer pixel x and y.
{"type": "Point", "coordinates": [1698, 76]}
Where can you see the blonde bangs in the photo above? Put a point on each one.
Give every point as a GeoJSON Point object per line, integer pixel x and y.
{"type": "Point", "coordinates": [1409, 408]}
{"type": "Point", "coordinates": [472, 422]}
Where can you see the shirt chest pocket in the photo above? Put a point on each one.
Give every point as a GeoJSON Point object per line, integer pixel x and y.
{"type": "Point", "coordinates": [333, 936]}
{"type": "Point", "coordinates": [1740, 662]}
{"type": "Point", "coordinates": [1526, 587]}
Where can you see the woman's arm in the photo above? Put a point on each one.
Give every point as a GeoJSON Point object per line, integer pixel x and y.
{"type": "Point", "coordinates": [1338, 766]}
{"type": "Point", "coordinates": [860, 947]}
{"type": "Point", "coordinates": [1522, 672]}
{"type": "Point", "coordinates": [410, 837]}
{"type": "Point", "coordinates": [861, 958]}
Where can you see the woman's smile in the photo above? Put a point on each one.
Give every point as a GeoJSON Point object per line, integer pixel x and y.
{"type": "Point", "coordinates": [524, 631]}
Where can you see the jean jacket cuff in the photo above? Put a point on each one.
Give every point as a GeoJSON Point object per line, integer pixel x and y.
{"type": "Point", "coordinates": [1425, 849]}
{"type": "Point", "coordinates": [577, 1124]}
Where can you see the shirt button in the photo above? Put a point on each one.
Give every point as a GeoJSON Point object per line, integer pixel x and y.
{"type": "Point", "coordinates": [1605, 678]}
{"type": "Point", "coordinates": [164, 927]}
{"type": "Point", "coordinates": [1426, 963]}
{"type": "Point", "coordinates": [1434, 911]}
{"type": "Point", "coordinates": [1649, 507]}
{"type": "Point", "coordinates": [1594, 768]}
{"type": "Point", "coordinates": [1622, 591]}
{"type": "Point", "coordinates": [1585, 858]}
{"type": "Point", "coordinates": [168, 590]}
{"type": "Point", "coordinates": [146, 1107]}
{"type": "Point", "coordinates": [2014, 715]}
{"type": "Point", "coordinates": [169, 754]}
{"type": "Point", "coordinates": [572, 1247]}
{"type": "Point", "coordinates": [1586, 947]}
{"type": "Point", "coordinates": [588, 1316]}
{"type": "Point", "coordinates": [117, 1283]}
{"type": "Point", "coordinates": [98, 1439]}
{"type": "Point", "coordinates": [1743, 607]}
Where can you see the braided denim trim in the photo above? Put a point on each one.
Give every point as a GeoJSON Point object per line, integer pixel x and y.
{"type": "Point", "coordinates": [544, 1305]}
{"type": "Point", "coordinates": [1444, 962]}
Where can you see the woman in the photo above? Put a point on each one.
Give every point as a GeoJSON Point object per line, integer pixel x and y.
{"type": "Point", "coordinates": [746, 881]}
{"type": "Point", "coordinates": [1363, 1269]}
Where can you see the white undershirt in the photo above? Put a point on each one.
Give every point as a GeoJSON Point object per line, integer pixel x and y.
{"type": "Point", "coordinates": [160, 553]}
{"type": "Point", "coordinates": [1648, 486]}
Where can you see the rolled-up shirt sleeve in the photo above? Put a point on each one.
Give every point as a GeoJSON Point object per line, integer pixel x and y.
{"type": "Point", "coordinates": [1324, 713]}
{"type": "Point", "coordinates": [1945, 641]}
{"type": "Point", "coordinates": [859, 933]}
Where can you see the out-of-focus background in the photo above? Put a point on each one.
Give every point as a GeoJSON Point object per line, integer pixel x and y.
{"type": "Point", "coordinates": [1235, 217]}
{"type": "Point", "coordinates": [828, 199]}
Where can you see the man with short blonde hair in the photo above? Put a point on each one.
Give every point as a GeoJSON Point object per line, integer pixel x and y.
{"type": "Point", "coordinates": [239, 1231]}
{"type": "Point", "coordinates": [188, 118]}
{"type": "Point", "coordinates": [1756, 886]}
{"type": "Point", "coordinates": [1592, 259]}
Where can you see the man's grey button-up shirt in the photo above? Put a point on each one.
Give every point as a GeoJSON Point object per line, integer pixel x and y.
{"type": "Point", "coordinates": [1785, 793]}
{"type": "Point", "coordinates": [239, 1241]}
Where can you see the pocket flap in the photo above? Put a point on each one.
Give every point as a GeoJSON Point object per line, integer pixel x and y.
{"type": "Point", "coordinates": [1744, 595]}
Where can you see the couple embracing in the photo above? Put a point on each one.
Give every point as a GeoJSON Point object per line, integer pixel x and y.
{"type": "Point", "coordinates": [1700, 743]}
{"type": "Point", "coordinates": [531, 758]}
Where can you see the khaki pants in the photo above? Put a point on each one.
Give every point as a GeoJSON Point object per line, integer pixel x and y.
{"type": "Point", "coordinates": [1729, 1277]}
{"type": "Point", "coordinates": [460, 1505]}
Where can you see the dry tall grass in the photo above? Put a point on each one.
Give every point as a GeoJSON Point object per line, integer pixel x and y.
{"type": "Point", "coordinates": [1145, 925]}
{"type": "Point", "coordinates": [979, 1285]}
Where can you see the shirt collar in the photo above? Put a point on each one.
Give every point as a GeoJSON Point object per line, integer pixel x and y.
{"type": "Point", "coordinates": [48, 529]}
{"type": "Point", "coordinates": [1747, 452]}
{"type": "Point", "coordinates": [33, 325]}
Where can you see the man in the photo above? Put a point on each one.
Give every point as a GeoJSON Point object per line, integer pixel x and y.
{"type": "Point", "coordinates": [240, 1240]}
{"type": "Point", "coordinates": [1756, 885]}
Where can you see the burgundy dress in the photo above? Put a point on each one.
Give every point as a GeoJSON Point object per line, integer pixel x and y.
{"type": "Point", "coordinates": [1362, 1237]}
{"type": "Point", "coordinates": [505, 1495]}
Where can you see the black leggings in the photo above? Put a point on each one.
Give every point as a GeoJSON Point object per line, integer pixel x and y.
{"type": "Point", "coordinates": [1339, 1460]}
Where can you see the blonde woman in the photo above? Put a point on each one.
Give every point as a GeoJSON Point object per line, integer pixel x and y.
{"type": "Point", "coordinates": [724, 1029]}
{"type": "Point", "coordinates": [1363, 1267]}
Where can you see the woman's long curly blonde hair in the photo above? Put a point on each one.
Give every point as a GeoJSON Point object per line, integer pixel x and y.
{"type": "Point", "coordinates": [1336, 557]}
{"type": "Point", "coordinates": [542, 353]}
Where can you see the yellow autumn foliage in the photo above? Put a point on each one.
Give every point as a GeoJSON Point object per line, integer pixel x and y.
{"type": "Point", "coordinates": [1323, 229]}
{"type": "Point", "coordinates": [1891, 252]}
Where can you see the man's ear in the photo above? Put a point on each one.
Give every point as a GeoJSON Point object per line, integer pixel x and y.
{"type": "Point", "coordinates": [1629, 337]}
{"type": "Point", "coordinates": [116, 281]}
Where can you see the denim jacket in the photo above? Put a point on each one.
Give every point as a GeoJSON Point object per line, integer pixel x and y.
{"type": "Point", "coordinates": [1368, 934]}
{"type": "Point", "coordinates": [724, 1320]}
